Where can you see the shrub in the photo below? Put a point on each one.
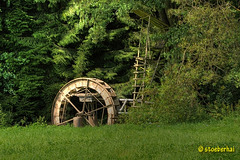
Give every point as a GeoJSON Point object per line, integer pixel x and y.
{"type": "Point", "coordinates": [174, 101]}
{"type": "Point", "coordinates": [5, 118]}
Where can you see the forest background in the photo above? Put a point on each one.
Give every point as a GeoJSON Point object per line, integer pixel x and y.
{"type": "Point", "coordinates": [46, 43]}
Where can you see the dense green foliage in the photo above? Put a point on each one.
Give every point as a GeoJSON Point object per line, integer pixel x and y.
{"type": "Point", "coordinates": [199, 78]}
{"type": "Point", "coordinates": [45, 43]}
{"type": "Point", "coordinates": [121, 141]}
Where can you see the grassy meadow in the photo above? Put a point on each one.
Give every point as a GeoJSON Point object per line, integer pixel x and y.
{"type": "Point", "coordinates": [121, 141]}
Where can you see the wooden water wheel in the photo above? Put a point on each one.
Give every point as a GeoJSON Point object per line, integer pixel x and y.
{"type": "Point", "coordinates": [85, 101]}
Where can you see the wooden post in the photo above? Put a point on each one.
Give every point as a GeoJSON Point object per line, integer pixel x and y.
{"type": "Point", "coordinates": [78, 122]}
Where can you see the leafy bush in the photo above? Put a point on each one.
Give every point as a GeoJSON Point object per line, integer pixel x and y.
{"type": "Point", "coordinates": [5, 118]}
{"type": "Point", "coordinates": [174, 101]}
{"type": "Point", "coordinates": [41, 121]}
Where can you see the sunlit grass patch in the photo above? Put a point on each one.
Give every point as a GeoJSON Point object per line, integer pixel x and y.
{"type": "Point", "coordinates": [180, 141]}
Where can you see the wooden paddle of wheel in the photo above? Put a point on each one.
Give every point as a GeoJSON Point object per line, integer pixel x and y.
{"type": "Point", "coordinates": [85, 101]}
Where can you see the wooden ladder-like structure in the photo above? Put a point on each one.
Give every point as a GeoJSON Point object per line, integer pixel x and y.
{"type": "Point", "coordinates": [140, 68]}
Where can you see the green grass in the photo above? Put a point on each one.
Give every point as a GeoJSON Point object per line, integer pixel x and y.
{"type": "Point", "coordinates": [179, 141]}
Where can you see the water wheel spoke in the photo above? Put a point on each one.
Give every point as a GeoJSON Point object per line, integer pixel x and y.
{"type": "Point", "coordinates": [89, 122]}
{"type": "Point", "coordinates": [72, 104]}
{"type": "Point", "coordinates": [85, 95]}
{"type": "Point", "coordinates": [81, 90]}
{"type": "Point", "coordinates": [64, 110]}
{"type": "Point", "coordinates": [89, 113]}
{"type": "Point", "coordinates": [65, 122]}
{"type": "Point", "coordinates": [102, 116]}
{"type": "Point", "coordinates": [93, 120]}
{"type": "Point", "coordinates": [84, 101]}
{"type": "Point", "coordinates": [95, 97]}
{"type": "Point", "coordinates": [88, 108]}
